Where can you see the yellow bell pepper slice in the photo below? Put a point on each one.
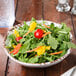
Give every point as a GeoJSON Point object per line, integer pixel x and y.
{"type": "Point", "coordinates": [32, 26]}
{"type": "Point", "coordinates": [16, 33]}
{"type": "Point", "coordinates": [40, 50]}
{"type": "Point", "coordinates": [48, 47]}
{"type": "Point", "coordinates": [14, 46]}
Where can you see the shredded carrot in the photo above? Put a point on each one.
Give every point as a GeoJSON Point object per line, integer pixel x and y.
{"type": "Point", "coordinates": [46, 34]}
{"type": "Point", "coordinates": [56, 53]}
{"type": "Point", "coordinates": [27, 33]}
{"type": "Point", "coordinates": [17, 47]}
{"type": "Point", "coordinates": [36, 55]}
{"type": "Point", "coordinates": [11, 52]}
{"type": "Point", "coordinates": [46, 26]}
{"type": "Point", "coordinates": [33, 49]}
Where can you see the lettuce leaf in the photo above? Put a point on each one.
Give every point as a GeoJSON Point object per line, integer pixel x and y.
{"type": "Point", "coordinates": [25, 47]}
{"type": "Point", "coordinates": [52, 42]}
{"type": "Point", "coordinates": [33, 59]}
{"type": "Point", "coordinates": [70, 45]}
{"type": "Point", "coordinates": [65, 29]}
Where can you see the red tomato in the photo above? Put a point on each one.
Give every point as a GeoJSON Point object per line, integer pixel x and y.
{"type": "Point", "coordinates": [18, 38]}
{"type": "Point", "coordinates": [38, 33]}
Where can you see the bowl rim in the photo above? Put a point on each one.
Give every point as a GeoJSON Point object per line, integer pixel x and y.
{"type": "Point", "coordinates": [34, 64]}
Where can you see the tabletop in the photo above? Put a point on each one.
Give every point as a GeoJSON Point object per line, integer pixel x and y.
{"type": "Point", "coordinates": [46, 9]}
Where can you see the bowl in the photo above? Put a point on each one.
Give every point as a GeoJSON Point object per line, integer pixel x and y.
{"type": "Point", "coordinates": [37, 65]}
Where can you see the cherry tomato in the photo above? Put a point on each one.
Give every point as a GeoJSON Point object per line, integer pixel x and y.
{"type": "Point", "coordinates": [18, 38]}
{"type": "Point", "coordinates": [38, 33]}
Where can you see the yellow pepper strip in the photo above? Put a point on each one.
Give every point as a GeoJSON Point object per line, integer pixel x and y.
{"type": "Point", "coordinates": [46, 34]}
{"type": "Point", "coordinates": [16, 33]}
{"type": "Point", "coordinates": [40, 50]}
{"type": "Point", "coordinates": [31, 28]}
{"type": "Point", "coordinates": [56, 53]}
{"type": "Point", "coordinates": [46, 26]}
{"type": "Point", "coordinates": [48, 47]}
{"type": "Point", "coordinates": [14, 46]}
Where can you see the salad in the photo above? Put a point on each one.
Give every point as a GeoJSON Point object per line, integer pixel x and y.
{"type": "Point", "coordinates": [38, 42]}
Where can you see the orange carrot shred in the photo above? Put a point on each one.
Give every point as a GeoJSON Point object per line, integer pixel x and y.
{"type": "Point", "coordinates": [46, 26]}
{"type": "Point", "coordinates": [56, 53]}
{"type": "Point", "coordinates": [35, 55]}
{"type": "Point", "coordinates": [11, 52]}
{"type": "Point", "coordinates": [27, 33]}
{"type": "Point", "coordinates": [16, 49]}
{"type": "Point", "coordinates": [33, 49]}
{"type": "Point", "coordinates": [46, 34]}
